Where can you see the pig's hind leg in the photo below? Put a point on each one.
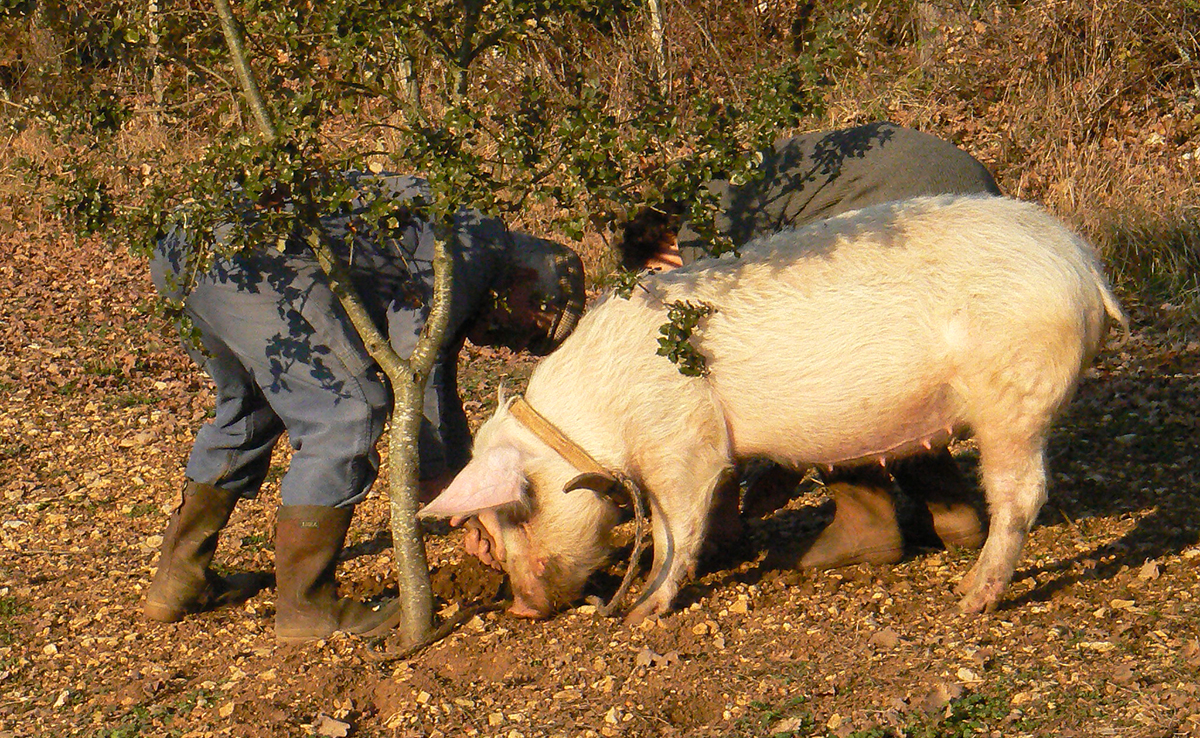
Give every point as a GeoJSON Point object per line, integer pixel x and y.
{"type": "Point", "coordinates": [679, 511]}
{"type": "Point", "coordinates": [1013, 472]}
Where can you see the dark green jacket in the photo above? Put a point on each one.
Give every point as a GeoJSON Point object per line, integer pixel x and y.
{"type": "Point", "coordinates": [819, 175]}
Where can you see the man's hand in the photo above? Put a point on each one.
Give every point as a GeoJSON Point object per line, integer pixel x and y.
{"type": "Point", "coordinates": [482, 538]}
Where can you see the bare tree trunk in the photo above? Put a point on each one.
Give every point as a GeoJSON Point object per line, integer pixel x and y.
{"type": "Point", "coordinates": [408, 380]}
{"type": "Point", "coordinates": [472, 9]}
{"type": "Point", "coordinates": [657, 44]}
{"type": "Point", "coordinates": [237, 50]}
{"type": "Point", "coordinates": [408, 376]}
{"type": "Point", "coordinates": [157, 85]}
{"type": "Point", "coordinates": [409, 80]}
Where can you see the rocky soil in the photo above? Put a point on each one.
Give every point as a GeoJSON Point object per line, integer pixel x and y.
{"type": "Point", "coordinates": [1099, 634]}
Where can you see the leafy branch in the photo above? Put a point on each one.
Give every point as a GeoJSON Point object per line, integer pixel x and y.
{"type": "Point", "coordinates": [683, 317]}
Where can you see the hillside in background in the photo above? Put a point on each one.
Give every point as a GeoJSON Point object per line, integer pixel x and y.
{"type": "Point", "coordinates": [1092, 108]}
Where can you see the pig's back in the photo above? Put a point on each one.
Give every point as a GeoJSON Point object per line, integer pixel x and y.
{"type": "Point", "coordinates": [880, 329]}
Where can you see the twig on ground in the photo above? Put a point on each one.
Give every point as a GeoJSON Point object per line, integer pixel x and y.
{"type": "Point", "coordinates": [440, 632]}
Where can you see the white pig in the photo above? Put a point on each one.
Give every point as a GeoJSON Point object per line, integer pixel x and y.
{"type": "Point", "coordinates": [868, 336]}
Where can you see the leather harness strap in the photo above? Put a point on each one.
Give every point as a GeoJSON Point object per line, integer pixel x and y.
{"type": "Point", "coordinates": [549, 434]}
{"type": "Point", "coordinates": [622, 492]}
{"type": "Point", "coordinates": [553, 437]}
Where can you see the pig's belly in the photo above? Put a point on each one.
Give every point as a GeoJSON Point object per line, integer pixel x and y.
{"type": "Point", "coordinates": [843, 386]}
{"type": "Point", "coordinates": [858, 430]}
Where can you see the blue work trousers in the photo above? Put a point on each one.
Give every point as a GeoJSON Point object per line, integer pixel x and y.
{"type": "Point", "coordinates": [284, 356]}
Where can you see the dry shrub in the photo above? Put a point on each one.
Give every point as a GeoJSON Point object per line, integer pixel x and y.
{"type": "Point", "coordinates": [19, 205]}
{"type": "Point", "coordinates": [148, 136]}
{"type": "Point", "coordinates": [1086, 106]}
{"type": "Point", "coordinates": [1155, 256]}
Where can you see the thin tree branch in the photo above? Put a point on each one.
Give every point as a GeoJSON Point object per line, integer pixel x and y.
{"type": "Point", "coordinates": [408, 378]}
{"type": "Point", "coordinates": [237, 50]}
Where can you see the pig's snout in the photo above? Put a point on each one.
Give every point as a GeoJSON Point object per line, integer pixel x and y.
{"type": "Point", "coordinates": [522, 609]}
{"type": "Point", "coordinates": [530, 596]}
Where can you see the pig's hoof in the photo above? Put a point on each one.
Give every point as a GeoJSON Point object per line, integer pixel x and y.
{"type": "Point", "coordinates": [638, 614]}
{"type": "Point", "coordinates": [652, 606]}
{"type": "Point", "coordinates": [970, 605]}
{"type": "Point", "coordinates": [521, 610]}
{"type": "Point", "coordinates": [981, 599]}
{"type": "Point", "coordinates": [967, 584]}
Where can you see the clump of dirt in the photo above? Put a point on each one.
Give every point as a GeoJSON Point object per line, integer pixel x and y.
{"type": "Point", "coordinates": [465, 581]}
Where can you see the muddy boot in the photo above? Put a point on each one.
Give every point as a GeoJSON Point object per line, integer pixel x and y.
{"type": "Point", "coordinates": [183, 582]}
{"type": "Point", "coordinates": [945, 512]}
{"type": "Point", "coordinates": [864, 528]}
{"type": "Point", "coordinates": [308, 540]}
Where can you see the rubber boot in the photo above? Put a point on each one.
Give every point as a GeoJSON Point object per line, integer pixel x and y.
{"type": "Point", "coordinates": [864, 528]}
{"type": "Point", "coordinates": [945, 505]}
{"type": "Point", "coordinates": [184, 583]}
{"type": "Point", "coordinates": [308, 540]}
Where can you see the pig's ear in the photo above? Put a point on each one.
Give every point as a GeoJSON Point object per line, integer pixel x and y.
{"type": "Point", "coordinates": [500, 394]}
{"type": "Point", "coordinates": [491, 480]}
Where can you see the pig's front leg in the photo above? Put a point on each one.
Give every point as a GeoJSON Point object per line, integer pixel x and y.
{"type": "Point", "coordinates": [679, 513]}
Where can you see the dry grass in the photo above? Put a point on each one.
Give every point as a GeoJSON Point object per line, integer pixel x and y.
{"type": "Point", "coordinates": [1088, 108]}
